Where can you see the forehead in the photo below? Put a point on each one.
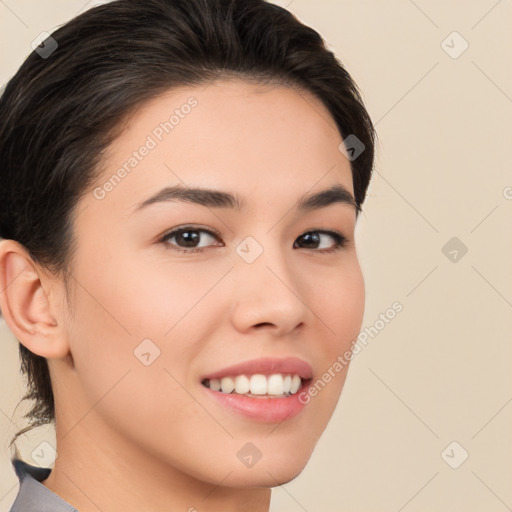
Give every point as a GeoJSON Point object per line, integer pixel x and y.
{"type": "Point", "coordinates": [229, 134]}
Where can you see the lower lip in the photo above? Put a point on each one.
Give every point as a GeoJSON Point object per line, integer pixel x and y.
{"type": "Point", "coordinates": [265, 410]}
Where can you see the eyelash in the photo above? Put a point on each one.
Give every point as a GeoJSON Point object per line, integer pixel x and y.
{"type": "Point", "coordinates": [339, 239]}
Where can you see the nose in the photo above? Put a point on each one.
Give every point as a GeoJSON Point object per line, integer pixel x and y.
{"type": "Point", "coordinates": [269, 293]}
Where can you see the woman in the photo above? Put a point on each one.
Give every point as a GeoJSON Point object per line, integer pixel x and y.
{"type": "Point", "coordinates": [180, 183]}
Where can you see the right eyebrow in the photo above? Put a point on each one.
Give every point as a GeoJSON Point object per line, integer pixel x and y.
{"type": "Point", "coordinates": [205, 197]}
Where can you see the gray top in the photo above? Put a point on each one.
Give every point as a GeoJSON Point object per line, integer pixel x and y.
{"type": "Point", "coordinates": [33, 496]}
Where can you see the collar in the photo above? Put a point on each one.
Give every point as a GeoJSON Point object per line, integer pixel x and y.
{"type": "Point", "coordinates": [32, 495]}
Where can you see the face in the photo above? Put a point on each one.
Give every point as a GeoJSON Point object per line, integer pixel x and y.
{"type": "Point", "coordinates": [169, 293]}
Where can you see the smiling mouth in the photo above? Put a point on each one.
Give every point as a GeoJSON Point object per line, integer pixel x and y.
{"type": "Point", "coordinates": [277, 385]}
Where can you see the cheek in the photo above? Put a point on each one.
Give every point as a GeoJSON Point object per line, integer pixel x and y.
{"type": "Point", "coordinates": [126, 309]}
{"type": "Point", "coordinates": [114, 386]}
{"type": "Point", "coordinates": [339, 302]}
{"type": "Point", "coordinates": [154, 296]}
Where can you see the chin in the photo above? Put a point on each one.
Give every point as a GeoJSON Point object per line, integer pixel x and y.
{"type": "Point", "coordinates": [263, 480]}
{"type": "Point", "coordinates": [266, 475]}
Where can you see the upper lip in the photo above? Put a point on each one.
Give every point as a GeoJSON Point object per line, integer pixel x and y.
{"type": "Point", "coordinates": [266, 366]}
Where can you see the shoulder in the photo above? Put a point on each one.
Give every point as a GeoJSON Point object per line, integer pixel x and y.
{"type": "Point", "coordinates": [32, 495]}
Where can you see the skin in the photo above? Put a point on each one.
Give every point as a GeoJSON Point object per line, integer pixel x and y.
{"type": "Point", "coordinates": [134, 437]}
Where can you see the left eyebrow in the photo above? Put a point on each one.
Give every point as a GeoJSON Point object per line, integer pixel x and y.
{"type": "Point", "coordinates": [332, 195]}
{"type": "Point", "coordinates": [220, 199]}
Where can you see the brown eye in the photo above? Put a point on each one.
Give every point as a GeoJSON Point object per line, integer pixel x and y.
{"type": "Point", "coordinates": [187, 239]}
{"type": "Point", "coordinates": [313, 240]}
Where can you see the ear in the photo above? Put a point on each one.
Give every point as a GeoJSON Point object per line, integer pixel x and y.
{"type": "Point", "coordinates": [25, 303]}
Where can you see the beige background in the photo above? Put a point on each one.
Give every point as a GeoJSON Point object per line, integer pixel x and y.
{"type": "Point", "coordinates": [440, 370]}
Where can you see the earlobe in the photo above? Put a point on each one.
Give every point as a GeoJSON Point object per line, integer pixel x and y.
{"type": "Point", "coordinates": [25, 303]}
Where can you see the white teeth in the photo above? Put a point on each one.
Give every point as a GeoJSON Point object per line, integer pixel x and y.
{"type": "Point", "coordinates": [227, 384]}
{"type": "Point", "coordinates": [295, 384]}
{"type": "Point", "coordinates": [275, 384]}
{"type": "Point", "coordinates": [242, 385]}
{"type": "Point", "coordinates": [287, 382]}
{"type": "Point", "coordinates": [215, 384]}
{"type": "Point", "coordinates": [258, 384]}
